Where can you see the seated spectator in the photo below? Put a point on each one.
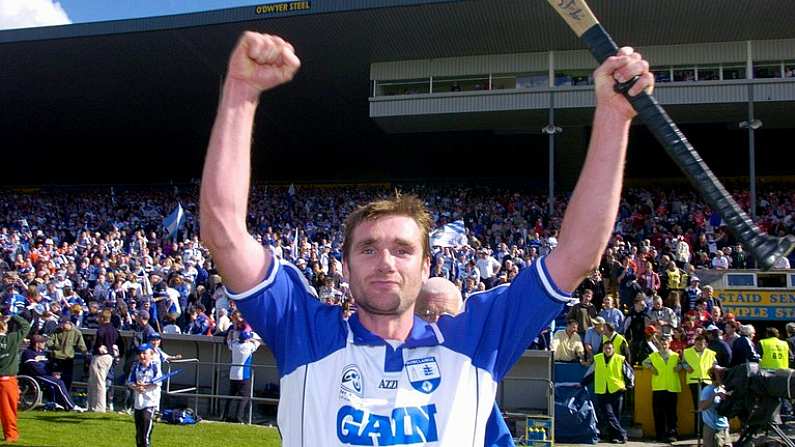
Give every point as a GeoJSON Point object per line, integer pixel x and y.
{"type": "Point", "coordinates": [567, 345]}
{"type": "Point", "coordinates": [700, 313]}
{"type": "Point", "coordinates": [34, 363]}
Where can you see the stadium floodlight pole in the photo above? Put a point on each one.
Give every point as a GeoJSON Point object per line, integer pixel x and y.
{"type": "Point", "coordinates": [766, 249]}
{"type": "Point", "coordinates": [550, 129]}
{"type": "Point", "coordinates": [752, 125]}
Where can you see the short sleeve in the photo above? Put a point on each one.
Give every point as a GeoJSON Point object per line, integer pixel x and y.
{"type": "Point", "coordinates": [499, 324]}
{"type": "Point", "coordinates": [297, 327]}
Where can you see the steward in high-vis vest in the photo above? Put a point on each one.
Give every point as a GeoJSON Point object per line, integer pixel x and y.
{"type": "Point", "coordinates": [612, 376]}
{"type": "Point", "coordinates": [665, 386]}
{"type": "Point", "coordinates": [697, 361]}
{"type": "Point", "coordinates": [620, 345]}
{"type": "Point", "coordinates": [773, 350]}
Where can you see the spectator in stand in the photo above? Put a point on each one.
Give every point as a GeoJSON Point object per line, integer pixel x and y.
{"type": "Point", "coordinates": [91, 318]}
{"type": "Point", "coordinates": [612, 315]}
{"type": "Point", "coordinates": [700, 313]}
{"type": "Point", "coordinates": [710, 301]}
{"type": "Point", "coordinates": [634, 328]}
{"type": "Point", "coordinates": [673, 301]}
{"type": "Point", "coordinates": [678, 340]}
{"type": "Point", "coordinates": [583, 312]}
{"type": "Point", "coordinates": [567, 345]}
{"type": "Point", "coordinates": [720, 261]}
{"type": "Point", "coordinates": [743, 349]}
{"type": "Point", "coordinates": [661, 315]}
{"type": "Point", "coordinates": [628, 286]}
{"type": "Point", "coordinates": [198, 323]}
{"type": "Point", "coordinates": [170, 324]}
{"type": "Point", "coordinates": [223, 324]}
{"type": "Point", "coordinates": [723, 352]}
{"type": "Point", "coordinates": [34, 363]}
{"type": "Point", "coordinates": [731, 331]}
{"type": "Point", "coordinates": [692, 293]}
{"type": "Point", "coordinates": [593, 338]}
{"type": "Point", "coordinates": [649, 279]}
{"type": "Point", "coordinates": [62, 345]}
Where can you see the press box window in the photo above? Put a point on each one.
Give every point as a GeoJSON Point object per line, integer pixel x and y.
{"type": "Point", "coordinates": [740, 280]}
{"type": "Point", "coordinates": [734, 72]}
{"type": "Point", "coordinates": [767, 71]}
{"type": "Point", "coordinates": [771, 280]}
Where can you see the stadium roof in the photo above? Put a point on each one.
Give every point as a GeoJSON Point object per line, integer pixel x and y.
{"type": "Point", "coordinates": [146, 89]}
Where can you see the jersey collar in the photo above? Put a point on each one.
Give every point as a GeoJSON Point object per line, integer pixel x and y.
{"type": "Point", "coordinates": [422, 334]}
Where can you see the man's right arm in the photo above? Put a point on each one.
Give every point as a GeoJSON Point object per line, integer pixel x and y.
{"type": "Point", "coordinates": [258, 63]}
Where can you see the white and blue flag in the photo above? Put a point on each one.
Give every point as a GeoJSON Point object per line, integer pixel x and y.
{"type": "Point", "coordinates": [449, 235]}
{"type": "Point", "coordinates": [173, 221]}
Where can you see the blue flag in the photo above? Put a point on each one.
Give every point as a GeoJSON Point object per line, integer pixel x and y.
{"type": "Point", "coordinates": [173, 221]}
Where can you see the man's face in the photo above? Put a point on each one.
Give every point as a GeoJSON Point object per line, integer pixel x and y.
{"type": "Point", "coordinates": [386, 266]}
{"type": "Point", "coordinates": [586, 297]}
{"type": "Point", "coordinates": [572, 327]}
{"type": "Point", "coordinates": [699, 345]}
{"type": "Point", "coordinates": [39, 345]}
{"type": "Point", "coordinates": [608, 349]}
{"type": "Point", "coordinates": [608, 303]}
{"type": "Point", "coordinates": [657, 304]}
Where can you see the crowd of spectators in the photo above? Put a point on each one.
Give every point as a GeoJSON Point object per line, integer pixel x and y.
{"type": "Point", "coordinates": [67, 256]}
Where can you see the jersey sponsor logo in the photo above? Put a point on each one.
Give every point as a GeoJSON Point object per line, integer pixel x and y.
{"type": "Point", "coordinates": [352, 380]}
{"type": "Point", "coordinates": [424, 374]}
{"type": "Point", "coordinates": [388, 384]}
{"type": "Point", "coordinates": [406, 425]}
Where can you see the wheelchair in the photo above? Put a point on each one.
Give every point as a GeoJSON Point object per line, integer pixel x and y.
{"type": "Point", "coordinates": [30, 393]}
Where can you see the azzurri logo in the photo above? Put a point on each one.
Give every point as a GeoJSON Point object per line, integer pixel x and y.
{"type": "Point", "coordinates": [406, 425]}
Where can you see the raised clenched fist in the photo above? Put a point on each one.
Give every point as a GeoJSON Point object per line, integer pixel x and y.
{"type": "Point", "coordinates": [262, 61]}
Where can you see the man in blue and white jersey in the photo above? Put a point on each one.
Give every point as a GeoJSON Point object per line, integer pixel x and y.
{"type": "Point", "coordinates": [384, 376]}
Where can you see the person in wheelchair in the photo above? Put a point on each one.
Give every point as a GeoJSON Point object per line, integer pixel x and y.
{"type": "Point", "coordinates": [34, 364]}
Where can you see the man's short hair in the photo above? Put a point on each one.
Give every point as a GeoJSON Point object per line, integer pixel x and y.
{"type": "Point", "coordinates": [570, 321]}
{"type": "Point", "coordinates": [771, 332]}
{"type": "Point", "coordinates": [700, 337]}
{"type": "Point", "coordinates": [400, 205]}
{"type": "Point", "coordinates": [790, 328]}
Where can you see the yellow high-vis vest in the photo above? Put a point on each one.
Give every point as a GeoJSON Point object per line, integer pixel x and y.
{"type": "Point", "coordinates": [775, 353]}
{"type": "Point", "coordinates": [618, 341]}
{"type": "Point", "coordinates": [700, 364]}
{"type": "Point", "coordinates": [666, 378]}
{"type": "Point", "coordinates": [608, 377]}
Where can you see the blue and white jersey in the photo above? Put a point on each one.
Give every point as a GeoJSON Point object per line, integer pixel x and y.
{"type": "Point", "coordinates": [146, 375]}
{"type": "Point", "coordinates": [343, 385]}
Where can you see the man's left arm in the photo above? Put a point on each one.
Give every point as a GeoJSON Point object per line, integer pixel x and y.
{"type": "Point", "coordinates": [589, 218]}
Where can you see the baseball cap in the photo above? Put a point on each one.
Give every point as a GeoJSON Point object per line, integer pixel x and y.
{"type": "Point", "coordinates": [666, 337]}
{"type": "Point", "coordinates": [38, 339]}
{"type": "Point", "coordinates": [155, 336]}
{"type": "Point", "coordinates": [598, 320]}
{"type": "Point", "coordinates": [143, 314]}
{"type": "Point", "coordinates": [695, 279]}
{"type": "Point", "coordinates": [650, 330]}
{"type": "Point", "coordinates": [144, 346]}
{"type": "Point", "coordinates": [712, 327]}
